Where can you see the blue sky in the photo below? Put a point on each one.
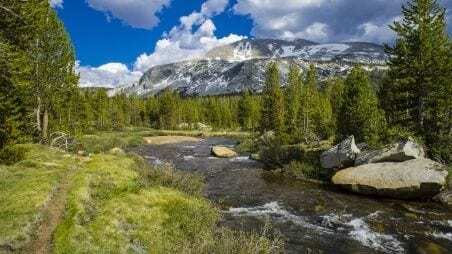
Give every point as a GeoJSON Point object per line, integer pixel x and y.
{"type": "Point", "coordinates": [117, 40]}
{"type": "Point", "coordinates": [99, 40]}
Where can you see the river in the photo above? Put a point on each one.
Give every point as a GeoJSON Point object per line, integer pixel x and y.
{"type": "Point", "coordinates": [311, 218]}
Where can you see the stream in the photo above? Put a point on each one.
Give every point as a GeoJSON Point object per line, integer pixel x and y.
{"type": "Point", "coordinates": [311, 218]}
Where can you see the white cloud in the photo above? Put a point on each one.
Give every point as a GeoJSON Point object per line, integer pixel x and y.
{"type": "Point", "coordinates": [194, 37]}
{"type": "Point", "coordinates": [56, 3]}
{"type": "Point", "coordinates": [109, 75]}
{"type": "Point", "coordinates": [136, 13]}
{"type": "Point", "coordinates": [321, 20]}
{"type": "Point", "coordinates": [191, 39]}
{"type": "Point", "coordinates": [316, 32]}
{"type": "Point", "coordinates": [373, 32]}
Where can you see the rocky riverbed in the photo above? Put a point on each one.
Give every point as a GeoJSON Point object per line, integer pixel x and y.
{"type": "Point", "coordinates": [311, 218]}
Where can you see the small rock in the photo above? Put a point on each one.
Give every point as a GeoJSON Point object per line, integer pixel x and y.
{"type": "Point", "coordinates": [340, 156]}
{"type": "Point", "coordinates": [223, 152]}
{"type": "Point", "coordinates": [444, 198]}
{"type": "Point", "coordinates": [116, 151]}
{"type": "Point", "coordinates": [410, 179]}
{"type": "Point", "coordinates": [399, 152]}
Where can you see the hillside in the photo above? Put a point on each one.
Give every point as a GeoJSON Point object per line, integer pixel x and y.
{"type": "Point", "coordinates": [233, 68]}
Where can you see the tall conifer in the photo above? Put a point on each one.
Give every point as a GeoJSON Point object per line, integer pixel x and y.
{"type": "Point", "coordinates": [293, 97]}
{"type": "Point", "coordinates": [359, 114]}
{"type": "Point", "coordinates": [418, 90]}
{"type": "Point", "coordinates": [273, 102]}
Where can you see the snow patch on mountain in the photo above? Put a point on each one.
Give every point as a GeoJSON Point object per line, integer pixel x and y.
{"type": "Point", "coordinates": [241, 65]}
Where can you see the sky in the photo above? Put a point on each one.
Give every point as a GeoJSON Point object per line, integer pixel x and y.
{"type": "Point", "coordinates": [116, 41]}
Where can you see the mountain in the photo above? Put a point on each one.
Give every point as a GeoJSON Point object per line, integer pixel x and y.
{"type": "Point", "coordinates": [241, 65]}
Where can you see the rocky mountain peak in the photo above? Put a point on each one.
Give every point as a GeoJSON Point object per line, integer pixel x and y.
{"type": "Point", "coordinates": [241, 65]}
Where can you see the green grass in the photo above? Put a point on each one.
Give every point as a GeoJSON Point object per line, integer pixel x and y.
{"type": "Point", "coordinates": [111, 211]}
{"type": "Point", "coordinates": [25, 188]}
{"type": "Point", "coordinates": [115, 203]}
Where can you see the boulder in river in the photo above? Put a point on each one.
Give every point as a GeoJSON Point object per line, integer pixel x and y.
{"type": "Point", "coordinates": [410, 179]}
{"type": "Point", "coordinates": [340, 156]}
{"type": "Point", "coordinates": [398, 152]}
{"type": "Point", "coordinates": [223, 152]}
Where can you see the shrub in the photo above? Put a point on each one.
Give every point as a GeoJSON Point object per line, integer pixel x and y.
{"type": "Point", "coordinates": [309, 170]}
{"type": "Point", "coordinates": [395, 134]}
{"type": "Point", "coordinates": [273, 154]}
{"type": "Point", "coordinates": [12, 154]}
{"type": "Point", "coordinates": [167, 176]}
{"type": "Point", "coordinates": [228, 241]}
{"type": "Point", "coordinates": [248, 145]}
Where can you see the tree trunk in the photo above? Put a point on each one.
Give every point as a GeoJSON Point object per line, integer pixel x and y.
{"type": "Point", "coordinates": [45, 125]}
{"type": "Point", "coordinates": [38, 115]}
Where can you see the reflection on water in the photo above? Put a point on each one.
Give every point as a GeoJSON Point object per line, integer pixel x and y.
{"type": "Point", "coordinates": [311, 218]}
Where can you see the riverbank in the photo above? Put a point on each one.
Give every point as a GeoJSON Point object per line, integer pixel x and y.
{"type": "Point", "coordinates": [309, 217]}
{"type": "Point", "coordinates": [58, 202]}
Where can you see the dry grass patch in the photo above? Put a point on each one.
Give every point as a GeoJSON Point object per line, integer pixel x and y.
{"type": "Point", "coordinates": [164, 140]}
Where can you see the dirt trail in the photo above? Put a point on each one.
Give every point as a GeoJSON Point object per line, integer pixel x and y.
{"type": "Point", "coordinates": [52, 215]}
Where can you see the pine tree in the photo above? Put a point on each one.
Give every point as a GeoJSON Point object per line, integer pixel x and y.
{"type": "Point", "coordinates": [439, 121]}
{"type": "Point", "coordinates": [334, 92]}
{"type": "Point", "coordinates": [14, 72]}
{"type": "Point", "coordinates": [323, 118]}
{"type": "Point", "coordinates": [417, 66]}
{"type": "Point", "coordinates": [293, 97]}
{"type": "Point", "coordinates": [309, 97]}
{"type": "Point", "coordinates": [359, 114]}
{"type": "Point", "coordinates": [9, 96]}
{"type": "Point", "coordinates": [272, 102]}
{"type": "Point", "coordinates": [246, 110]}
{"type": "Point", "coordinates": [418, 90]}
{"type": "Point", "coordinates": [53, 61]}
{"type": "Point", "coordinates": [168, 110]}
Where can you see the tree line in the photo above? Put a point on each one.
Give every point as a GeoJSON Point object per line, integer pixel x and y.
{"type": "Point", "coordinates": [37, 76]}
{"type": "Point", "coordinates": [39, 93]}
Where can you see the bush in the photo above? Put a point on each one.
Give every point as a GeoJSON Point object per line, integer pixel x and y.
{"type": "Point", "coordinates": [273, 154]}
{"type": "Point", "coordinates": [106, 141]}
{"type": "Point", "coordinates": [228, 241]}
{"type": "Point", "coordinates": [167, 176]}
{"type": "Point", "coordinates": [308, 170]}
{"type": "Point", "coordinates": [248, 145]}
{"type": "Point", "coordinates": [12, 154]}
{"type": "Point", "coordinates": [395, 134]}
